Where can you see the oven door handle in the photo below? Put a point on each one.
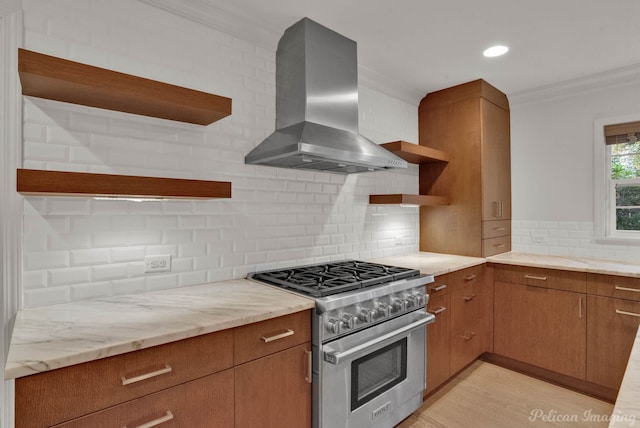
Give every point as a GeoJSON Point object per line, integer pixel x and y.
{"type": "Point", "coordinates": [335, 357]}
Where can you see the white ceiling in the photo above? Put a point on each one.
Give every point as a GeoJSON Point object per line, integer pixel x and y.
{"type": "Point", "coordinates": [408, 48]}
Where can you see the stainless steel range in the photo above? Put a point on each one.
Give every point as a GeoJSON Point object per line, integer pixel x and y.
{"type": "Point", "coordinates": [369, 340]}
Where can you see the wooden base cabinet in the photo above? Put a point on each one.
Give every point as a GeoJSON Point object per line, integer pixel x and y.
{"type": "Point", "coordinates": [438, 333]}
{"type": "Point", "coordinates": [541, 326]}
{"type": "Point", "coordinates": [614, 317]}
{"type": "Point", "coordinates": [250, 376]}
{"type": "Point", "coordinates": [457, 337]}
{"type": "Point", "coordinates": [272, 392]}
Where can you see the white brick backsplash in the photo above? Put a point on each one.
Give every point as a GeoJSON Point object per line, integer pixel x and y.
{"type": "Point", "coordinates": [68, 276]}
{"type": "Point", "coordinates": [84, 248]}
{"type": "Point", "coordinates": [573, 239]}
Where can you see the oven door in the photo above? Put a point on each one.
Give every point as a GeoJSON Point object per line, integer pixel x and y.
{"type": "Point", "coordinates": [375, 377]}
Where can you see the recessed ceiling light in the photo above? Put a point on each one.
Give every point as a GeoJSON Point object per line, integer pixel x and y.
{"type": "Point", "coordinates": [494, 51]}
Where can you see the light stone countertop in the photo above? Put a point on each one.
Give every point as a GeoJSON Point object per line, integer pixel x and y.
{"type": "Point", "coordinates": [579, 264]}
{"type": "Point", "coordinates": [431, 263]}
{"type": "Point", "coordinates": [51, 337]}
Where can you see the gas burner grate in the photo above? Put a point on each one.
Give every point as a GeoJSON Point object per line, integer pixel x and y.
{"type": "Point", "coordinates": [333, 278]}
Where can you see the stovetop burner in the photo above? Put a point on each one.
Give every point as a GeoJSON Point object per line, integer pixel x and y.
{"type": "Point", "coordinates": [333, 278]}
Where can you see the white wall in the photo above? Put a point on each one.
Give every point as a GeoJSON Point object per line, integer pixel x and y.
{"type": "Point", "coordinates": [552, 157]}
{"type": "Point", "coordinates": [79, 248]}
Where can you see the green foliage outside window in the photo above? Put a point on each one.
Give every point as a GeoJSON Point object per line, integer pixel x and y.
{"type": "Point", "coordinates": [625, 164]}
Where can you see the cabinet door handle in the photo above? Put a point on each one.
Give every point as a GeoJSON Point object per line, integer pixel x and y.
{"type": "Point", "coordinates": [635, 290]}
{"type": "Point", "coordinates": [469, 336]}
{"type": "Point", "coordinates": [309, 376]}
{"type": "Point", "coordinates": [278, 336]}
{"type": "Point", "coordinates": [496, 209]}
{"type": "Point", "coordinates": [537, 278]}
{"type": "Point", "coordinates": [156, 422]}
{"type": "Point", "coordinates": [470, 277]}
{"type": "Point", "coordinates": [167, 369]}
{"type": "Point", "coordinates": [469, 298]}
{"type": "Point", "coordinates": [438, 288]}
{"type": "Point", "coordinates": [580, 307]}
{"type": "Point", "coordinates": [633, 314]}
{"type": "Point", "coordinates": [438, 311]}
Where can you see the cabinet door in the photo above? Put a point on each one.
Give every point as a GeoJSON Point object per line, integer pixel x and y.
{"type": "Point", "coordinates": [496, 162]}
{"type": "Point", "coordinates": [541, 326]}
{"type": "Point", "coordinates": [438, 337]}
{"type": "Point", "coordinates": [271, 392]}
{"type": "Point", "coordinates": [202, 403]}
{"type": "Point", "coordinates": [611, 331]}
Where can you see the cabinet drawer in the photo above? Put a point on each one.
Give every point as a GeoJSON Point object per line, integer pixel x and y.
{"type": "Point", "coordinates": [466, 306]}
{"type": "Point", "coordinates": [493, 246]}
{"type": "Point", "coordinates": [467, 344]}
{"type": "Point", "coordinates": [203, 403]}
{"type": "Point", "coordinates": [540, 277]}
{"type": "Point", "coordinates": [439, 286]}
{"type": "Point", "coordinates": [88, 387]}
{"type": "Point", "coordinates": [464, 277]}
{"type": "Point", "coordinates": [622, 287]}
{"type": "Point", "coordinates": [438, 339]}
{"type": "Point", "coordinates": [495, 228]}
{"type": "Point", "coordinates": [266, 337]}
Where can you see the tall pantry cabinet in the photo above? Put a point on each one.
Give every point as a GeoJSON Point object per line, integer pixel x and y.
{"type": "Point", "coordinates": [471, 123]}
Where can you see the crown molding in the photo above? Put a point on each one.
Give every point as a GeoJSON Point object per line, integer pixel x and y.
{"type": "Point", "coordinates": [623, 76]}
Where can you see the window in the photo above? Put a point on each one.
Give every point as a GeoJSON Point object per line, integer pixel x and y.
{"type": "Point", "coordinates": [620, 180]}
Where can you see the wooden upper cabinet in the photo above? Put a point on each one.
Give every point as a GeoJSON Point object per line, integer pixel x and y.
{"type": "Point", "coordinates": [470, 122]}
{"type": "Point", "coordinates": [58, 79]}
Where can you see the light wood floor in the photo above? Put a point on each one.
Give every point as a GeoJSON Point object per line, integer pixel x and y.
{"type": "Point", "coordinates": [488, 396]}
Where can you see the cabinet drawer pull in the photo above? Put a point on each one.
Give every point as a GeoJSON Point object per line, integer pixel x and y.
{"type": "Point", "coordinates": [470, 277]}
{"type": "Point", "coordinates": [469, 298]}
{"type": "Point", "coordinates": [469, 337]}
{"type": "Point", "coordinates": [500, 229]}
{"type": "Point", "coordinates": [438, 288]}
{"type": "Point", "coordinates": [309, 376]}
{"type": "Point", "coordinates": [278, 336]}
{"type": "Point", "coordinates": [156, 422]}
{"type": "Point", "coordinates": [499, 245]}
{"type": "Point", "coordinates": [537, 278]}
{"type": "Point", "coordinates": [635, 290]}
{"type": "Point", "coordinates": [438, 311]}
{"type": "Point", "coordinates": [167, 369]}
{"type": "Point", "coordinates": [633, 314]}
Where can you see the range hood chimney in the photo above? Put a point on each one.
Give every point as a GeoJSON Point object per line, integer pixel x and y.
{"type": "Point", "coordinates": [317, 107]}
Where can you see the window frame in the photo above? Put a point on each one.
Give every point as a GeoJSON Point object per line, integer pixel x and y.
{"type": "Point", "coordinates": [604, 188]}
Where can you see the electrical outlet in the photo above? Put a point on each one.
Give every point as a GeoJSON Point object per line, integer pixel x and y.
{"type": "Point", "coordinates": [398, 240]}
{"type": "Point", "coordinates": [157, 264]}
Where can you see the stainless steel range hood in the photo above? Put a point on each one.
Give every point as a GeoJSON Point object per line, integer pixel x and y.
{"type": "Point", "coordinates": [317, 107]}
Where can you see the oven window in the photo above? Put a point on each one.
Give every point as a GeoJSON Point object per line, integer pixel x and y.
{"type": "Point", "coordinates": [378, 372]}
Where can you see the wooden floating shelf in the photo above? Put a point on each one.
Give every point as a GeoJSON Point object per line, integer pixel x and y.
{"type": "Point", "coordinates": [414, 153]}
{"type": "Point", "coordinates": [33, 182]}
{"type": "Point", "coordinates": [403, 199]}
{"type": "Point", "coordinates": [59, 79]}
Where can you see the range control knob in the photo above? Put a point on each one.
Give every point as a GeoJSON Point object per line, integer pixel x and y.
{"type": "Point", "coordinates": [421, 299]}
{"type": "Point", "coordinates": [349, 321]}
{"type": "Point", "coordinates": [334, 326]}
{"type": "Point", "coordinates": [366, 315]}
{"type": "Point", "coordinates": [399, 304]}
{"type": "Point", "coordinates": [412, 301]}
{"type": "Point", "coordinates": [383, 310]}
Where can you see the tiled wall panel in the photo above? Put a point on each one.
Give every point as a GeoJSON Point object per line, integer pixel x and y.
{"type": "Point", "coordinates": [80, 248]}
